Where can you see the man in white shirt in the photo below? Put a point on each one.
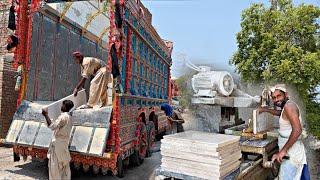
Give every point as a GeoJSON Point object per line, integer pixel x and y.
{"type": "Point", "coordinates": [98, 85]}
{"type": "Point", "coordinates": [292, 155]}
{"type": "Point", "coordinates": [58, 153]}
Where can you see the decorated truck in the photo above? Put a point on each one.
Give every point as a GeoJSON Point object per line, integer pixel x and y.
{"type": "Point", "coordinates": [118, 32]}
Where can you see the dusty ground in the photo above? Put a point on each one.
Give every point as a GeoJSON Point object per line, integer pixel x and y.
{"type": "Point", "coordinates": [314, 164]}
{"type": "Point", "coordinates": [313, 159]}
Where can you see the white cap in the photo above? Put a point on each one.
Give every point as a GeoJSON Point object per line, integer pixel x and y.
{"type": "Point", "coordinates": [281, 87]}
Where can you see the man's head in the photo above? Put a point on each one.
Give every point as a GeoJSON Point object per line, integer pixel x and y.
{"type": "Point", "coordinates": [67, 105]}
{"type": "Point", "coordinates": [279, 95]}
{"type": "Point", "coordinates": [77, 56]}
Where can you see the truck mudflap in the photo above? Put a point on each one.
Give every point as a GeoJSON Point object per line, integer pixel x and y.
{"type": "Point", "coordinates": [88, 136]}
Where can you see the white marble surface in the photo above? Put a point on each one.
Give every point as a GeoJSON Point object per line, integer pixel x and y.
{"type": "Point", "coordinates": [204, 138]}
{"type": "Point", "coordinates": [200, 154]}
{"type": "Point", "coordinates": [262, 121]}
{"type": "Point", "coordinates": [54, 109]}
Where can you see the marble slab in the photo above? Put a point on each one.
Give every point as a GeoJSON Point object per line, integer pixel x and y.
{"type": "Point", "coordinates": [204, 138]}
{"type": "Point", "coordinates": [200, 158]}
{"type": "Point", "coordinates": [208, 161]}
{"type": "Point", "coordinates": [194, 146]}
{"type": "Point", "coordinates": [201, 154]}
{"type": "Point", "coordinates": [204, 153]}
{"type": "Point", "coordinates": [54, 109]}
{"type": "Point", "coordinates": [204, 173]}
{"type": "Point", "coordinates": [14, 131]}
{"type": "Point", "coordinates": [198, 167]}
{"type": "Point", "coordinates": [262, 122]}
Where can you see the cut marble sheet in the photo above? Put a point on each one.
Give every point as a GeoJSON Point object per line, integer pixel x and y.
{"type": "Point", "coordinates": [193, 146]}
{"type": "Point", "coordinates": [99, 117]}
{"type": "Point", "coordinates": [54, 109]}
{"type": "Point", "coordinates": [262, 121]}
{"type": "Point", "coordinates": [201, 162]}
{"type": "Point", "coordinates": [44, 136]}
{"type": "Point", "coordinates": [200, 168]}
{"type": "Point", "coordinates": [89, 131]}
{"type": "Point", "coordinates": [32, 111]}
{"type": "Point", "coordinates": [204, 138]}
{"type": "Point", "coordinates": [206, 174]}
{"type": "Point", "coordinates": [208, 161]}
{"type": "Point", "coordinates": [98, 141]}
{"type": "Point", "coordinates": [200, 152]}
{"type": "Point", "coordinates": [195, 157]}
{"type": "Point", "coordinates": [81, 139]}
{"type": "Point", "coordinates": [14, 130]}
{"type": "Point", "coordinates": [28, 133]}
{"type": "Point", "coordinates": [202, 165]}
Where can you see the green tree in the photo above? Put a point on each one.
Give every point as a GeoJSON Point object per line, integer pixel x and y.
{"type": "Point", "coordinates": [185, 90]}
{"type": "Point", "coordinates": [281, 43]}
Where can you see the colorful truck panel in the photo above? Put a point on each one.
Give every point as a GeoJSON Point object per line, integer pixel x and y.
{"type": "Point", "coordinates": [118, 32]}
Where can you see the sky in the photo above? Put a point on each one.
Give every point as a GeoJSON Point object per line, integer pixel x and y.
{"type": "Point", "coordinates": [203, 31]}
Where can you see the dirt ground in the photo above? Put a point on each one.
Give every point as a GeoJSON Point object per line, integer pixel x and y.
{"type": "Point", "coordinates": [314, 164]}
{"type": "Point", "coordinates": [313, 159]}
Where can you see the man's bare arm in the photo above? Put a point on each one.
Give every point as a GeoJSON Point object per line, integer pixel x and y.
{"type": "Point", "coordinates": [45, 114]}
{"type": "Point", "coordinates": [80, 85]}
{"type": "Point", "coordinates": [271, 111]}
{"type": "Point", "coordinates": [292, 113]}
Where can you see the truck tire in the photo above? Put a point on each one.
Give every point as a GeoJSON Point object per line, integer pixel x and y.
{"type": "Point", "coordinates": [137, 158]}
{"type": "Point", "coordinates": [16, 157]}
{"type": "Point", "coordinates": [120, 167]}
{"type": "Point", "coordinates": [150, 138]}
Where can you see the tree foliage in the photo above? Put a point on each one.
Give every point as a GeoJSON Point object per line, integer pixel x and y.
{"type": "Point", "coordinates": [280, 43]}
{"type": "Point", "coordinates": [185, 90]}
{"type": "Point", "coordinates": [313, 118]}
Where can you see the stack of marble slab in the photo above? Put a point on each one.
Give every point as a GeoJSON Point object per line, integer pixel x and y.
{"type": "Point", "coordinates": [200, 154]}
